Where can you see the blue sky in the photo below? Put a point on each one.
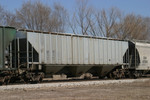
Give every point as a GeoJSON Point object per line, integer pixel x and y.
{"type": "Point", "coordinates": [139, 7]}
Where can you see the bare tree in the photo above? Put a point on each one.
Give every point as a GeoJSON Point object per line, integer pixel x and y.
{"type": "Point", "coordinates": [106, 21]}
{"type": "Point", "coordinates": [58, 18]}
{"type": "Point", "coordinates": [92, 23]}
{"type": "Point", "coordinates": [2, 14]}
{"type": "Point", "coordinates": [7, 18]}
{"type": "Point", "coordinates": [80, 20]}
{"type": "Point", "coordinates": [147, 23]}
{"type": "Point", "coordinates": [38, 16]}
{"type": "Point", "coordinates": [131, 27]}
{"type": "Point", "coordinates": [87, 21]}
{"type": "Point", "coordinates": [34, 16]}
{"type": "Point", "coordinates": [72, 23]}
{"type": "Point", "coordinates": [11, 20]}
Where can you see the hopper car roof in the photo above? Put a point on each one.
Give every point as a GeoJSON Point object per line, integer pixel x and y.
{"type": "Point", "coordinates": [70, 34]}
{"type": "Point", "coordinates": [78, 35]}
{"type": "Point", "coordinates": [7, 27]}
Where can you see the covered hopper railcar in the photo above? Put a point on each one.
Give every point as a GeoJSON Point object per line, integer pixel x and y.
{"type": "Point", "coordinates": [72, 55]}
{"type": "Point", "coordinates": [141, 57]}
{"type": "Point", "coordinates": [33, 55]}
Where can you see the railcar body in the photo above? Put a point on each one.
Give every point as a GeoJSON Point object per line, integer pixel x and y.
{"type": "Point", "coordinates": [7, 34]}
{"type": "Point", "coordinates": [142, 62]}
{"type": "Point", "coordinates": [31, 54]}
{"type": "Point", "coordinates": [69, 54]}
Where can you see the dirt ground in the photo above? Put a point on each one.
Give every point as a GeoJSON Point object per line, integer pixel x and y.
{"type": "Point", "coordinates": [124, 91]}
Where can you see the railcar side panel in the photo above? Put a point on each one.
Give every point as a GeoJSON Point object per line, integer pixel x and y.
{"type": "Point", "coordinates": [143, 50]}
{"type": "Point", "coordinates": [96, 51]}
{"type": "Point", "coordinates": [7, 34]}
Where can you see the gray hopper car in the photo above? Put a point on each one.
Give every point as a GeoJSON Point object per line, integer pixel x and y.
{"type": "Point", "coordinates": [33, 55]}
{"type": "Point", "coordinates": [72, 55]}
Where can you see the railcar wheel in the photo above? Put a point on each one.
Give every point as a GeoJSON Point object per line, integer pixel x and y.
{"type": "Point", "coordinates": [38, 77]}
{"type": "Point", "coordinates": [88, 76]}
{"type": "Point", "coordinates": [132, 75]}
{"type": "Point", "coordinates": [7, 80]}
{"type": "Point", "coordinates": [41, 77]}
{"type": "Point", "coordinates": [2, 80]}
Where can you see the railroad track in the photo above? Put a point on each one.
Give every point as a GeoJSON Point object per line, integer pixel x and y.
{"type": "Point", "coordinates": [68, 84]}
{"type": "Point", "coordinates": [51, 80]}
{"type": "Point", "coordinates": [69, 80]}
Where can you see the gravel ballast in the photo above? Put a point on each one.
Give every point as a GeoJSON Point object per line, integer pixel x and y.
{"type": "Point", "coordinates": [69, 84]}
